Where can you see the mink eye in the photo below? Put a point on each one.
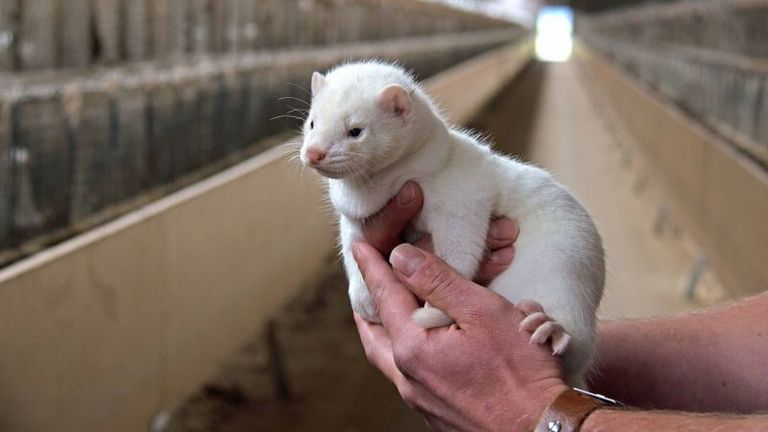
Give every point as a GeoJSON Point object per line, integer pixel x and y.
{"type": "Point", "coordinates": [312, 124]}
{"type": "Point", "coordinates": [354, 133]}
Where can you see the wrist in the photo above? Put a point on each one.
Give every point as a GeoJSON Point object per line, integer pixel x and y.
{"type": "Point", "coordinates": [539, 401]}
{"type": "Point", "coordinates": [570, 410]}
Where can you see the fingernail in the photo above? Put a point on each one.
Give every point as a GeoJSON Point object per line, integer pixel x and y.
{"type": "Point", "coordinates": [503, 256]}
{"type": "Point", "coordinates": [407, 195]}
{"type": "Point", "coordinates": [406, 259]}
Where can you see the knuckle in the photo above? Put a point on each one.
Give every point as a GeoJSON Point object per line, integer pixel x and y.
{"type": "Point", "coordinates": [377, 296]}
{"type": "Point", "coordinates": [488, 271]}
{"type": "Point", "coordinates": [380, 297]}
{"type": "Point", "coordinates": [407, 357]}
{"type": "Point", "coordinates": [368, 353]}
{"type": "Point", "coordinates": [438, 280]}
{"type": "Point", "coordinates": [403, 360]}
{"type": "Point", "coordinates": [374, 237]}
{"type": "Point", "coordinates": [387, 216]}
{"type": "Point", "coordinates": [490, 312]}
{"type": "Point", "coordinates": [365, 274]}
{"type": "Point", "coordinates": [377, 231]}
{"type": "Point", "coordinates": [408, 394]}
{"type": "Point", "coordinates": [501, 307]}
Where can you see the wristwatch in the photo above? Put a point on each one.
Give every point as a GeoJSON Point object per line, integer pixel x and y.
{"type": "Point", "coordinates": [569, 410]}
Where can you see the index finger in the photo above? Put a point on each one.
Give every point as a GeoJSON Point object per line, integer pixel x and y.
{"type": "Point", "coordinates": [393, 302]}
{"type": "Point", "coordinates": [383, 230]}
{"type": "Point", "coordinates": [378, 348]}
{"type": "Point", "coordinates": [502, 233]}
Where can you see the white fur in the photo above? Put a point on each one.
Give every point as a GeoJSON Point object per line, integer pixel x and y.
{"type": "Point", "coordinates": [558, 254]}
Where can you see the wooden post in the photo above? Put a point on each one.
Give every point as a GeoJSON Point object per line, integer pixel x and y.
{"type": "Point", "coordinates": [137, 30]}
{"type": "Point", "coordinates": [88, 122]}
{"type": "Point", "coordinates": [200, 27]}
{"type": "Point", "coordinates": [220, 25]}
{"type": "Point", "coordinates": [178, 43]}
{"type": "Point", "coordinates": [37, 34]}
{"type": "Point", "coordinates": [74, 34]}
{"type": "Point", "coordinates": [257, 119]}
{"type": "Point", "coordinates": [204, 125]}
{"type": "Point", "coordinates": [106, 15]}
{"type": "Point", "coordinates": [169, 28]}
{"type": "Point", "coordinates": [6, 184]}
{"type": "Point", "coordinates": [128, 163]}
{"type": "Point", "coordinates": [41, 130]}
{"type": "Point", "coordinates": [246, 25]}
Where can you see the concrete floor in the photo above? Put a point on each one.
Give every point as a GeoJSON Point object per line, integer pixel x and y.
{"type": "Point", "coordinates": [551, 115]}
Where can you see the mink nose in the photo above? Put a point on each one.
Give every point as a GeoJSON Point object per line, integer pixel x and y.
{"type": "Point", "coordinates": [316, 155]}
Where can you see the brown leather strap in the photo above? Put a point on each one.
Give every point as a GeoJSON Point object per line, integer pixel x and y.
{"type": "Point", "coordinates": [567, 412]}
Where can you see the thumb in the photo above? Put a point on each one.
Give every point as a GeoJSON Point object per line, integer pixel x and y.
{"type": "Point", "coordinates": [434, 281]}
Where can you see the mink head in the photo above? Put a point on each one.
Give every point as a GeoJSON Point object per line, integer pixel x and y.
{"type": "Point", "coordinates": [364, 117]}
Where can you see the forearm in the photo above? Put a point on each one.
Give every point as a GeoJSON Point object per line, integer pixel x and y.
{"type": "Point", "coordinates": [707, 361]}
{"type": "Point", "coordinates": [607, 420]}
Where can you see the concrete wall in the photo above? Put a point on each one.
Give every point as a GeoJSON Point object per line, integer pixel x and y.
{"type": "Point", "coordinates": [721, 194]}
{"type": "Point", "coordinates": [100, 331]}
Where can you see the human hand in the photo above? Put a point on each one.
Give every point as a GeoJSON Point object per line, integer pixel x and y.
{"type": "Point", "coordinates": [478, 374]}
{"type": "Point", "coordinates": [384, 231]}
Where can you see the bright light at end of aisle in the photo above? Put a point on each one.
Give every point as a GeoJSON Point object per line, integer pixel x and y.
{"type": "Point", "coordinates": [554, 34]}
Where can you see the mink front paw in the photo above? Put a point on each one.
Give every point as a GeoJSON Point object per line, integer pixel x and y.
{"type": "Point", "coordinates": [362, 303]}
{"type": "Point", "coordinates": [543, 328]}
{"type": "Point", "coordinates": [429, 317]}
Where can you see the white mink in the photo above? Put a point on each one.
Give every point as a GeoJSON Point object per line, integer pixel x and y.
{"type": "Point", "coordinates": [371, 128]}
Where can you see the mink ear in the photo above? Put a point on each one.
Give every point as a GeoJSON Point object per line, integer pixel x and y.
{"type": "Point", "coordinates": [395, 100]}
{"type": "Point", "coordinates": [318, 83]}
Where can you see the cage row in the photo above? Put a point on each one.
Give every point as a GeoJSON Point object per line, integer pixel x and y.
{"type": "Point", "coordinates": [739, 27]}
{"type": "Point", "coordinates": [729, 98]}
{"type": "Point", "coordinates": [76, 148]}
{"type": "Point", "coordinates": [46, 34]}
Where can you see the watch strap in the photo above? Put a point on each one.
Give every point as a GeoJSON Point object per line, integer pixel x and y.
{"type": "Point", "coordinates": [568, 412]}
